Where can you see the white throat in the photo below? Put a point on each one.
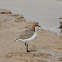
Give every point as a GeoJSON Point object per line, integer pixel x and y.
{"type": "Point", "coordinates": [36, 29]}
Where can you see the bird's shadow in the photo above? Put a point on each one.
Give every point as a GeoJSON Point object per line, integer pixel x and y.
{"type": "Point", "coordinates": [32, 50]}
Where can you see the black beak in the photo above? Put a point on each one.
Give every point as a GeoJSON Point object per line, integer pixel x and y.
{"type": "Point", "coordinates": [39, 26]}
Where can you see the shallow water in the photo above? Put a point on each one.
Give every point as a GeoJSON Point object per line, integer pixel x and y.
{"type": "Point", "coordinates": [47, 12]}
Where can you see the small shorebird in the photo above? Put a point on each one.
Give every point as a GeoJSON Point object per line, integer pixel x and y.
{"type": "Point", "coordinates": [28, 34]}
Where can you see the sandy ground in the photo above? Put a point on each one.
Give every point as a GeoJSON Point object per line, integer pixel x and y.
{"type": "Point", "coordinates": [46, 47]}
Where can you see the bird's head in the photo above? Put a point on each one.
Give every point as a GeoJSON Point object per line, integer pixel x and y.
{"type": "Point", "coordinates": [35, 26]}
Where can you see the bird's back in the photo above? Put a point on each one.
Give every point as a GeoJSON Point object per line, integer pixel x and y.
{"type": "Point", "coordinates": [27, 33]}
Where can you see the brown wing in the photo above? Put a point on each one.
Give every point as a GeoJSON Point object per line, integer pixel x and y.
{"type": "Point", "coordinates": [27, 33]}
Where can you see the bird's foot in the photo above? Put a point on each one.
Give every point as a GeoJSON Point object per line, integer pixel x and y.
{"type": "Point", "coordinates": [28, 50]}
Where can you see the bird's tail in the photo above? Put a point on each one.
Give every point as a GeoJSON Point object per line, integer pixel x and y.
{"type": "Point", "coordinates": [16, 40]}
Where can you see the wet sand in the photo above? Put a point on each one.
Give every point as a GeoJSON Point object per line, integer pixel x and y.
{"type": "Point", "coordinates": [46, 47]}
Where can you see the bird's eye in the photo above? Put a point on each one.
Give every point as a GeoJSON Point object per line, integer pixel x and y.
{"type": "Point", "coordinates": [36, 25]}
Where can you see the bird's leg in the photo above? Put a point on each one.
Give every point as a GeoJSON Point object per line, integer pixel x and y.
{"type": "Point", "coordinates": [25, 43]}
{"type": "Point", "coordinates": [27, 47]}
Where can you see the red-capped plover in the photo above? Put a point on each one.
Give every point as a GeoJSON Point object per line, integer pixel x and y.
{"type": "Point", "coordinates": [28, 34]}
